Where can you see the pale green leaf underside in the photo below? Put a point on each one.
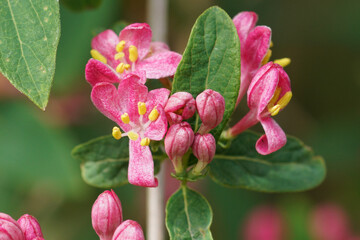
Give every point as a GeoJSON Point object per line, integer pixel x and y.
{"type": "Point", "coordinates": [292, 168]}
{"type": "Point", "coordinates": [211, 61]}
{"type": "Point", "coordinates": [29, 35]}
{"type": "Point", "coordinates": [188, 216]}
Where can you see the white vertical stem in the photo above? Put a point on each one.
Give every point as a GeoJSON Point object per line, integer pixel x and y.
{"type": "Point", "coordinates": [157, 15]}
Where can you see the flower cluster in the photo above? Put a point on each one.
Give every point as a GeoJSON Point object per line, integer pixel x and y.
{"type": "Point", "coordinates": [25, 228]}
{"type": "Point", "coordinates": [107, 220]}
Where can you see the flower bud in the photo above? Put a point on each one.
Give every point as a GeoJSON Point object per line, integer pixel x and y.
{"type": "Point", "coordinates": [129, 230]}
{"type": "Point", "coordinates": [106, 214]}
{"type": "Point", "coordinates": [210, 106]}
{"type": "Point", "coordinates": [30, 227]}
{"type": "Point", "coordinates": [204, 148]}
{"type": "Point", "coordinates": [9, 228]}
{"type": "Point", "coordinates": [180, 106]}
{"type": "Point", "coordinates": [178, 140]}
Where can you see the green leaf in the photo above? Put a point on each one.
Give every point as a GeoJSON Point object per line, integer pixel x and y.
{"type": "Point", "coordinates": [30, 31]}
{"type": "Point", "coordinates": [79, 5]}
{"type": "Point", "coordinates": [211, 60]}
{"type": "Point", "coordinates": [104, 161]}
{"type": "Point", "coordinates": [188, 216]}
{"type": "Point", "coordinates": [292, 168]}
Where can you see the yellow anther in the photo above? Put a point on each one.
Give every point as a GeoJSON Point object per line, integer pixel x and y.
{"type": "Point", "coordinates": [120, 68]}
{"type": "Point", "coordinates": [141, 108]}
{"type": "Point", "coordinates": [145, 142]}
{"type": "Point", "coordinates": [271, 44]}
{"type": "Point", "coordinates": [274, 98]}
{"type": "Point", "coordinates": [116, 133]}
{"type": "Point", "coordinates": [133, 53]}
{"type": "Point", "coordinates": [267, 57]}
{"type": "Point", "coordinates": [275, 110]}
{"type": "Point", "coordinates": [96, 55]}
{"type": "Point", "coordinates": [127, 66]}
{"type": "Point", "coordinates": [284, 100]}
{"type": "Point", "coordinates": [154, 114]}
{"type": "Point", "coordinates": [119, 56]}
{"type": "Point", "coordinates": [133, 135]}
{"type": "Point", "coordinates": [125, 118]}
{"type": "Point", "coordinates": [283, 61]}
{"type": "Point", "coordinates": [120, 46]}
{"type": "Point", "coordinates": [281, 104]}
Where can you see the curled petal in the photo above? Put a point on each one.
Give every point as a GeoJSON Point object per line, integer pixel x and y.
{"type": "Point", "coordinates": [141, 166]}
{"type": "Point", "coordinates": [274, 137]}
{"type": "Point", "coordinates": [105, 42]}
{"type": "Point", "coordinates": [160, 65]}
{"type": "Point", "coordinates": [96, 72]}
{"type": "Point", "coordinates": [244, 23]}
{"type": "Point", "coordinates": [138, 35]}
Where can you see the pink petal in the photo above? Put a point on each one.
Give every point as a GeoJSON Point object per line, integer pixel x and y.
{"type": "Point", "coordinates": [157, 47]}
{"type": "Point", "coordinates": [284, 81]}
{"type": "Point", "coordinates": [158, 97]}
{"type": "Point", "coordinates": [139, 35]}
{"type": "Point", "coordinates": [105, 43]}
{"type": "Point", "coordinates": [274, 137]}
{"type": "Point", "coordinates": [141, 166]}
{"type": "Point", "coordinates": [96, 72]}
{"type": "Point", "coordinates": [156, 130]}
{"type": "Point", "coordinates": [244, 23]}
{"type": "Point", "coordinates": [160, 65]}
{"type": "Point", "coordinates": [137, 76]}
{"type": "Point", "coordinates": [129, 230]}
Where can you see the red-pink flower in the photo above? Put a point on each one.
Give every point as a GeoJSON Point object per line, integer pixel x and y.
{"type": "Point", "coordinates": [268, 93]}
{"type": "Point", "coordinates": [254, 44]}
{"type": "Point", "coordinates": [140, 115]}
{"type": "Point", "coordinates": [131, 51]}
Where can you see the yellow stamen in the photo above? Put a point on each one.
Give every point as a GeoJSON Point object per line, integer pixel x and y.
{"type": "Point", "coordinates": [275, 110]}
{"type": "Point", "coordinates": [127, 66]}
{"type": "Point", "coordinates": [119, 56]}
{"type": "Point", "coordinates": [116, 133]}
{"type": "Point", "coordinates": [145, 142]}
{"type": "Point", "coordinates": [274, 98]}
{"type": "Point", "coordinates": [120, 46]}
{"type": "Point", "coordinates": [267, 57]}
{"type": "Point", "coordinates": [283, 61]}
{"type": "Point", "coordinates": [271, 44]}
{"type": "Point", "coordinates": [154, 114]}
{"type": "Point", "coordinates": [141, 108]}
{"type": "Point", "coordinates": [96, 55]}
{"type": "Point", "coordinates": [133, 135]}
{"type": "Point", "coordinates": [120, 68]}
{"type": "Point", "coordinates": [133, 53]}
{"type": "Point", "coordinates": [284, 100]}
{"type": "Point", "coordinates": [125, 118]}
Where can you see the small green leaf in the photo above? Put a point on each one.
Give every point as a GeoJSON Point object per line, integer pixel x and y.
{"type": "Point", "coordinates": [292, 168]}
{"type": "Point", "coordinates": [104, 161]}
{"type": "Point", "coordinates": [79, 5]}
{"type": "Point", "coordinates": [30, 31]}
{"type": "Point", "coordinates": [211, 60]}
{"type": "Point", "coordinates": [188, 216]}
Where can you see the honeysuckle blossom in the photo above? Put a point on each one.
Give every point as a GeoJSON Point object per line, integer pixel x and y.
{"type": "Point", "coordinates": [140, 115]}
{"type": "Point", "coordinates": [268, 93]}
{"type": "Point", "coordinates": [30, 227]}
{"type": "Point", "coordinates": [254, 44]}
{"type": "Point", "coordinates": [131, 51]}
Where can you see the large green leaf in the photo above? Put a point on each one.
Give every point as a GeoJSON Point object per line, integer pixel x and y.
{"type": "Point", "coordinates": [29, 35]}
{"type": "Point", "coordinates": [211, 60]}
{"type": "Point", "coordinates": [292, 168]}
{"type": "Point", "coordinates": [188, 216]}
{"type": "Point", "coordinates": [104, 161]}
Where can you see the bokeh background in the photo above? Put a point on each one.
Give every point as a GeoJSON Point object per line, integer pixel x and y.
{"type": "Point", "coordinates": [38, 176]}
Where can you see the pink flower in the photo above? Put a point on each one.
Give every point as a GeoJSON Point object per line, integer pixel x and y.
{"type": "Point", "coordinates": [180, 106]}
{"type": "Point", "coordinates": [106, 214]}
{"type": "Point", "coordinates": [30, 227]}
{"type": "Point", "coordinates": [131, 51]}
{"type": "Point", "coordinates": [9, 228]}
{"type": "Point", "coordinates": [254, 44]}
{"type": "Point", "coordinates": [140, 115]}
{"type": "Point", "coordinates": [204, 148]}
{"type": "Point", "coordinates": [268, 93]}
{"type": "Point", "coordinates": [129, 230]}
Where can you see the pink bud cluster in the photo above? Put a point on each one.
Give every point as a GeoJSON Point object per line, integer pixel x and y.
{"type": "Point", "coordinates": [25, 228]}
{"type": "Point", "coordinates": [107, 220]}
{"type": "Point", "coordinates": [210, 106]}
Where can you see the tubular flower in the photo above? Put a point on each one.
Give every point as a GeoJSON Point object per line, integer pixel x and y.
{"type": "Point", "coordinates": [9, 228]}
{"type": "Point", "coordinates": [30, 227]}
{"type": "Point", "coordinates": [129, 230]}
{"type": "Point", "coordinates": [181, 106]}
{"type": "Point", "coordinates": [131, 51]}
{"type": "Point", "coordinates": [254, 44]}
{"type": "Point", "coordinates": [268, 93]}
{"type": "Point", "coordinates": [140, 115]}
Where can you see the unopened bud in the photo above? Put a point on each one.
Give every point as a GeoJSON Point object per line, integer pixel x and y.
{"type": "Point", "coordinates": [129, 230]}
{"type": "Point", "coordinates": [210, 106]}
{"type": "Point", "coordinates": [9, 228]}
{"type": "Point", "coordinates": [178, 140]}
{"type": "Point", "coordinates": [204, 148]}
{"type": "Point", "coordinates": [30, 227]}
{"type": "Point", "coordinates": [180, 106]}
{"type": "Point", "coordinates": [106, 214]}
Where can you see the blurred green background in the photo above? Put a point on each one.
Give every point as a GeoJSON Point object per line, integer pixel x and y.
{"type": "Point", "coordinates": [38, 176]}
